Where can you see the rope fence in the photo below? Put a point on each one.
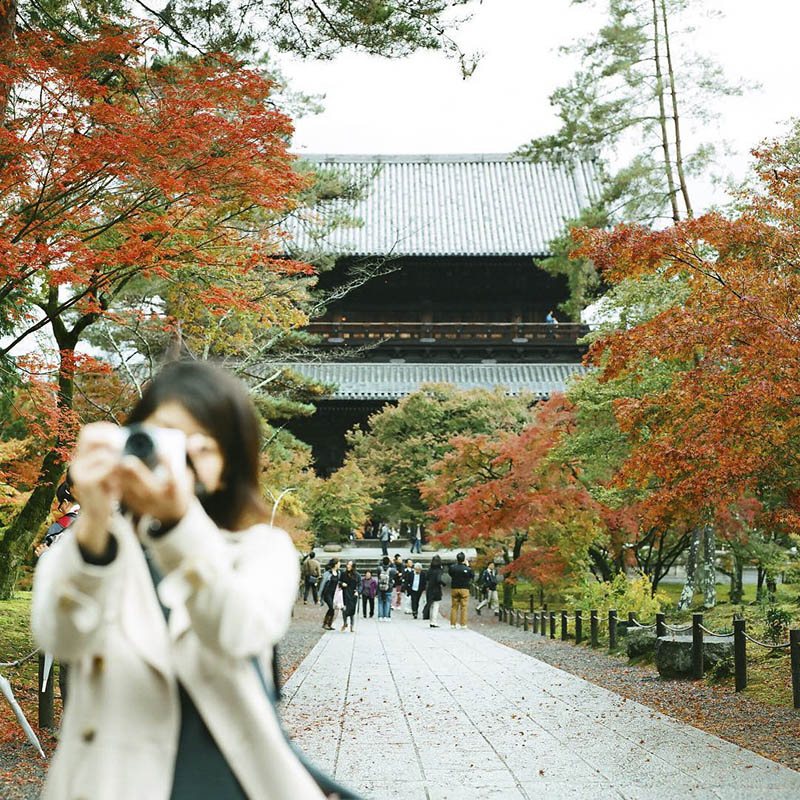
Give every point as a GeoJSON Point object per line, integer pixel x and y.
{"type": "Point", "coordinates": [545, 623]}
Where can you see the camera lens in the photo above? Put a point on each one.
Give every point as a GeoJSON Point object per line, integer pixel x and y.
{"type": "Point", "coordinates": [140, 444]}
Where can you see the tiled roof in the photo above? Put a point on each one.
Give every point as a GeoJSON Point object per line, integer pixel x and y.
{"type": "Point", "coordinates": [369, 381]}
{"type": "Point", "coordinates": [447, 205]}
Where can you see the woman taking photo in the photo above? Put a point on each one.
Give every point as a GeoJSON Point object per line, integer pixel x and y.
{"type": "Point", "coordinates": [158, 600]}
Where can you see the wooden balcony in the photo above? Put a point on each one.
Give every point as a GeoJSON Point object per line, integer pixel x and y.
{"type": "Point", "coordinates": [467, 341]}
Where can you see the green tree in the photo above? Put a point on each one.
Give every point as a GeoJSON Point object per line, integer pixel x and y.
{"type": "Point", "coordinates": [341, 502]}
{"type": "Point", "coordinates": [403, 442]}
{"type": "Point", "coordinates": [633, 91]}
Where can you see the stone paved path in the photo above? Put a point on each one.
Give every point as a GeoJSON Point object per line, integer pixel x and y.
{"type": "Point", "coordinates": [402, 710]}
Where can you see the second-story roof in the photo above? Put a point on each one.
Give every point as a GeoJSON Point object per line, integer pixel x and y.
{"type": "Point", "coordinates": [451, 205]}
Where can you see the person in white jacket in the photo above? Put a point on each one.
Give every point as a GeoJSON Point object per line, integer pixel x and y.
{"type": "Point", "coordinates": [165, 599]}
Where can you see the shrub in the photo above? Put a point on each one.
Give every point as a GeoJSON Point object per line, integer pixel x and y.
{"type": "Point", "coordinates": [778, 621]}
{"type": "Point", "coordinates": [721, 670]}
{"type": "Point", "coordinates": [621, 594]}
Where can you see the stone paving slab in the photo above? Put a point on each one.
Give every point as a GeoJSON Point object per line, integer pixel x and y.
{"type": "Point", "coordinates": [401, 709]}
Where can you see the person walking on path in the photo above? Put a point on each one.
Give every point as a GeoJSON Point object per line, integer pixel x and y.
{"type": "Point", "coordinates": [350, 583]}
{"type": "Point", "coordinates": [433, 591]}
{"type": "Point", "coordinates": [385, 535]}
{"type": "Point", "coordinates": [397, 588]}
{"type": "Point", "coordinates": [416, 588]}
{"type": "Point", "coordinates": [408, 574]}
{"type": "Point", "coordinates": [461, 576]}
{"type": "Point", "coordinates": [416, 539]}
{"type": "Point", "coordinates": [488, 583]}
{"type": "Point", "coordinates": [311, 572]}
{"type": "Point", "coordinates": [387, 576]}
{"type": "Point", "coordinates": [330, 581]}
{"type": "Point", "coordinates": [369, 587]}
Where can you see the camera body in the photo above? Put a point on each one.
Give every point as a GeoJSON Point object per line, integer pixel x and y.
{"type": "Point", "coordinates": [157, 448]}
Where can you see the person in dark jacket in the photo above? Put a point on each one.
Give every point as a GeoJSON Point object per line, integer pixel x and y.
{"type": "Point", "coordinates": [397, 594]}
{"type": "Point", "coordinates": [433, 591]}
{"type": "Point", "coordinates": [327, 589]}
{"type": "Point", "coordinates": [387, 576]}
{"type": "Point", "coordinates": [408, 574]}
{"type": "Point", "coordinates": [461, 576]}
{"type": "Point", "coordinates": [369, 588]}
{"type": "Point", "coordinates": [350, 581]}
{"type": "Point", "coordinates": [488, 581]}
{"type": "Point", "coordinates": [66, 500]}
{"type": "Point", "coordinates": [416, 586]}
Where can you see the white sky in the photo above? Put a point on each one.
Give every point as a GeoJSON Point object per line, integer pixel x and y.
{"type": "Point", "coordinates": [420, 104]}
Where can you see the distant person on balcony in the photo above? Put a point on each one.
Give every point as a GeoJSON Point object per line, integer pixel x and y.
{"type": "Point", "coordinates": [550, 319]}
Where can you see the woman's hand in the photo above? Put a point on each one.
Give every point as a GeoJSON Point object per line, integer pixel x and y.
{"type": "Point", "coordinates": [95, 475]}
{"type": "Point", "coordinates": [159, 494]}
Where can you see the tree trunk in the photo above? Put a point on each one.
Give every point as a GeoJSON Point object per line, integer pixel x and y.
{"type": "Point", "coordinates": [662, 114]}
{"type": "Point", "coordinates": [675, 116]}
{"type": "Point", "coordinates": [600, 564]}
{"type": "Point", "coordinates": [709, 568]}
{"type": "Point", "coordinates": [760, 584]}
{"type": "Point", "coordinates": [519, 540]}
{"type": "Point", "coordinates": [737, 580]}
{"type": "Point", "coordinates": [20, 534]}
{"type": "Point", "coordinates": [8, 32]}
{"type": "Point", "coordinates": [687, 595]}
{"type": "Point", "coordinates": [508, 594]}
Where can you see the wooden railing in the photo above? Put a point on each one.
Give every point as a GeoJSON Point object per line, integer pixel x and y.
{"type": "Point", "coordinates": [432, 332]}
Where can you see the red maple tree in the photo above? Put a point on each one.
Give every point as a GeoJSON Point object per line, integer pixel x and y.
{"type": "Point", "coordinates": [118, 167]}
{"type": "Point", "coordinates": [719, 444]}
{"type": "Point", "coordinates": [507, 492]}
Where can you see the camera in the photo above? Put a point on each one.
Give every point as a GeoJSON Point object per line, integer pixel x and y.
{"type": "Point", "coordinates": [154, 446]}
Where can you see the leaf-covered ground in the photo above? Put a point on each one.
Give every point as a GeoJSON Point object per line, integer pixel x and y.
{"type": "Point", "coordinates": [768, 729]}
{"type": "Point", "coordinates": [21, 768]}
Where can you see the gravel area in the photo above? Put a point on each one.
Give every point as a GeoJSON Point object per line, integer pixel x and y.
{"type": "Point", "coordinates": [771, 731]}
{"type": "Point", "coordinates": [303, 634]}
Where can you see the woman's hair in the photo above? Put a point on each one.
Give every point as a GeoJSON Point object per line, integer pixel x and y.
{"type": "Point", "coordinates": [222, 406]}
{"type": "Point", "coordinates": [436, 562]}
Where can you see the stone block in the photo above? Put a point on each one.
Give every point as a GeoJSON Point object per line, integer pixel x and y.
{"type": "Point", "coordinates": [640, 641]}
{"type": "Point", "coordinates": [673, 654]}
{"type": "Point", "coordinates": [332, 548]}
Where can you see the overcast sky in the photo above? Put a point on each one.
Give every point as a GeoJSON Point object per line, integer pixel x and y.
{"type": "Point", "coordinates": [420, 104]}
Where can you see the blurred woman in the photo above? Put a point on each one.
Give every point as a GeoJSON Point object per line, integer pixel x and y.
{"type": "Point", "coordinates": [156, 597]}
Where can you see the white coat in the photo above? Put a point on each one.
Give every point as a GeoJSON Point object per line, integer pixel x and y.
{"type": "Point", "coordinates": [230, 597]}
